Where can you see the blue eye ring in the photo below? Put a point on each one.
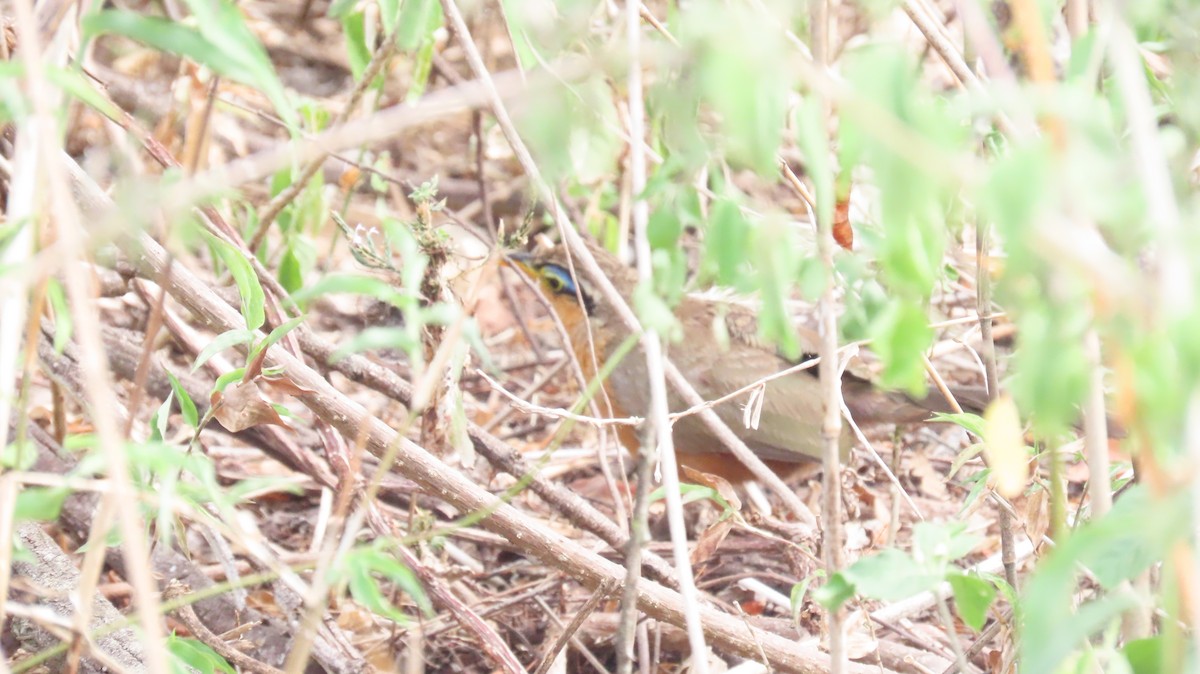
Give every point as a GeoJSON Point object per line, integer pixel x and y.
{"type": "Point", "coordinates": [558, 280]}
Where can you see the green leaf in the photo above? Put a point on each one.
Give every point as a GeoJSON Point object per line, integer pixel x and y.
{"type": "Point", "coordinates": [291, 273]}
{"type": "Point", "coordinates": [972, 423]}
{"type": "Point", "coordinates": [276, 335]}
{"type": "Point", "coordinates": [228, 378]}
{"type": "Point", "coordinates": [799, 590]}
{"type": "Point", "coordinates": [417, 22]}
{"type": "Point", "coordinates": [973, 596]}
{"type": "Point", "coordinates": [422, 68]}
{"type": "Point", "coordinates": [14, 104]}
{"type": "Point", "coordinates": [963, 457]}
{"type": "Point", "coordinates": [568, 131]}
{"type": "Point", "coordinates": [222, 341]}
{"type": "Point", "coordinates": [775, 266]}
{"type": "Point", "coordinates": [389, 13]}
{"type": "Point", "coordinates": [1018, 189]}
{"type": "Point", "coordinates": [163, 34]}
{"type": "Point", "coordinates": [221, 23]}
{"type": "Point", "coordinates": [835, 593]}
{"type": "Point", "coordinates": [64, 324]}
{"type": "Point", "coordinates": [664, 228]}
{"type": "Point", "coordinates": [158, 422]}
{"type": "Point", "coordinates": [74, 83]}
{"type": "Point", "coordinates": [243, 274]}
{"type": "Point", "coordinates": [186, 406]}
{"type": "Point", "coordinates": [360, 566]}
{"type": "Point", "coordinates": [198, 656]}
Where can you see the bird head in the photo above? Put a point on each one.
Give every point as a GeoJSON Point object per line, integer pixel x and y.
{"type": "Point", "coordinates": [555, 281]}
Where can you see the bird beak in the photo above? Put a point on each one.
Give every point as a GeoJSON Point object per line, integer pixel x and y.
{"type": "Point", "coordinates": [518, 260]}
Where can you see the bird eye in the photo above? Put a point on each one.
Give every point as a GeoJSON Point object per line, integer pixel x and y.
{"type": "Point", "coordinates": [555, 282]}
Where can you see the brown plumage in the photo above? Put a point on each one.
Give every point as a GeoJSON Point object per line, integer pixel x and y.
{"type": "Point", "coordinates": [789, 429]}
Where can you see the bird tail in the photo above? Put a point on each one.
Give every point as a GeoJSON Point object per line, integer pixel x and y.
{"type": "Point", "coordinates": [871, 405]}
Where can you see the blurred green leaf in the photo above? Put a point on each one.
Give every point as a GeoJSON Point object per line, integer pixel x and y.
{"type": "Point", "coordinates": [75, 84]}
{"type": "Point", "coordinates": [655, 314]}
{"type": "Point", "coordinates": [1050, 370]}
{"type": "Point", "coordinates": [664, 228]}
{"type": "Point", "coordinates": [19, 454]}
{"type": "Point", "coordinates": [892, 575]}
{"type": "Point", "coordinates": [378, 338]}
{"type": "Point", "coordinates": [835, 593]}
{"type": "Point", "coordinates": [358, 52]}
{"type": "Point", "coordinates": [220, 40]}
{"type": "Point", "coordinates": [1137, 532]}
{"type": "Point", "coordinates": [942, 543]}
{"type": "Point", "coordinates": [352, 283]}
{"type": "Point", "coordinates": [198, 656]}
{"type": "Point", "coordinates": [972, 596]}
{"type": "Point", "coordinates": [1146, 656]}
{"type": "Point", "coordinates": [752, 109]}
{"type": "Point", "coordinates": [901, 335]}
{"type": "Point", "coordinates": [64, 323]}
{"type": "Point", "coordinates": [40, 504]}
{"type": "Point", "coordinates": [725, 248]}
{"type": "Point", "coordinates": [813, 138]}
{"type": "Point", "coordinates": [291, 271]}
{"type": "Point", "coordinates": [418, 19]}
{"type": "Point", "coordinates": [359, 568]}
{"type": "Point", "coordinates": [775, 254]}
{"type": "Point", "coordinates": [158, 422]}
{"type": "Point", "coordinates": [567, 130]}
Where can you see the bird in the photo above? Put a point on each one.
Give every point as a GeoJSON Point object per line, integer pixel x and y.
{"type": "Point", "coordinates": [788, 432]}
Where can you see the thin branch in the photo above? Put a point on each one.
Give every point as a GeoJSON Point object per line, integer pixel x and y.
{"type": "Point", "coordinates": [828, 370]}
{"type": "Point", "coordinates": [652, 346]}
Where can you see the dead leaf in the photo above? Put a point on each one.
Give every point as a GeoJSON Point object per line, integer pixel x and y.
{"type": "Point", "coordinates": [284, 384]}
{"type": "Point", "coordinates": [242, 405]}
{"type": "Point", "coordinates": [1037, 514]}
{"type": "Point", "coordinates": [710, 540]}
{"type": "Point", "coordinates": [859, 645]}
{"type": "Point", "coordinates": [928, 478]}
{"type": "Point", "coordinates": [843, 233]}
{"type": "Point", "coordinates": [714, 482]}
